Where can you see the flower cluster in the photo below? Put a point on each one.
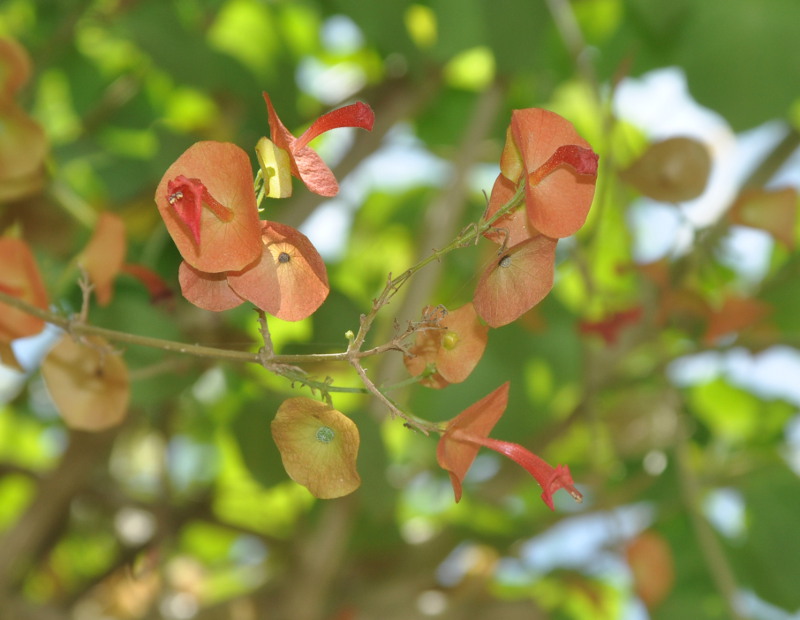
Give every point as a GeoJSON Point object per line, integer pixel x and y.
{"type": "Point", "coordinates": [542, 194]}
{"type": "Point", "coordinates": [557, 169]}
{"type": "Point", "coordinates": [554, 170]}
{"type": "Point", "coordinates": [207, 200]}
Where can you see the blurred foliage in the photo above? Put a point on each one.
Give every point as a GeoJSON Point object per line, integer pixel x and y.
{"type": "Point", "coordinates": [186, 512]}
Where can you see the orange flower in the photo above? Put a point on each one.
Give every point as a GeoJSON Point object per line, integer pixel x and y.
{"type": "Point", "coordinates": [305, 163]}
{"type": "Point", "coordinates": [455, 349]}
{"type": "Point", "coordinates": [559, 170]}
{"type": "Point", "coordinates": [467, 432]}
{"type": "Point", "coordinates": [207, 201]}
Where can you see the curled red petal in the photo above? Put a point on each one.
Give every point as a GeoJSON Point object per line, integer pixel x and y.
{"type": "Point", "coordinates": [477, 420]}
{"type": "Point", "coordinates": [580, 159]}
{"type": "Point", "coordinates": [358, 115]}
{"type": "Point", "coordinates": [186, 197]}
{"type": "Point", "coordinates": [550, 478]}
{"type": "Point", "coordinates": [220, 177]}
{"type": "Point", "coordinates": [611, 326]}
{"type": "Point", "coordinates": [158, 289]}
{"type": "Point", "coordinates": [304, 161]}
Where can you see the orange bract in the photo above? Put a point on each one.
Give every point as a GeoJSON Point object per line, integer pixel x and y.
{"type": "Point", "coordinates": [652, 567]}
{"type": "Point", "coordinates": [290, 280]}
{"type": "Point", "coordinates": [23, 144]}
{"type": "Point", "coordinates": [456, 457]}
{"type": "Point", "coordinates": [88, 383]}
{"type": "Point", "coordinates": [516, 281]}
{"type": "Point", "coordinates": [223, 170]}
{"type": "Point", "coordinates": [15, 67]}
{"type": "Point", "coordinates": [736, 314]}
{"type": "Point", "coordinates": [104, 255]}
{"type": "Point", "coordinates": [19, 277]}
{"type": "Point", "coordinates": [209, 291]}
{"type": "Point", "coordinates": [455, 349]}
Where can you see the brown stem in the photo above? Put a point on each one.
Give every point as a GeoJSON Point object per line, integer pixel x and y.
{"type": "Point", "coordinates": [422, 426]}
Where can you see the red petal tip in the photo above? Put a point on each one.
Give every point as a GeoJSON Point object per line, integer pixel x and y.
{"type": "Point", "coordinates": [358, 115]}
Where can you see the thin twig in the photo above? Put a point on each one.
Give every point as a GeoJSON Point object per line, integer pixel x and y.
{"type": "Point", "coordinates": [267, 352]}
{"type": "Point", "coordinates": [568, 28]}
{"type": "Point", "coordinates": [424, 427]}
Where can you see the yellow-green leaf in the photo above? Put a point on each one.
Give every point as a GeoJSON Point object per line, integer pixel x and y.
{"type": "Point", "coordinates": [318, 446]}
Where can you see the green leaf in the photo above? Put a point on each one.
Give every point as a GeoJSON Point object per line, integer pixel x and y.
{"type": "Point", "coordinates": [740, 57]}
{"type": "Point", "coordinates": [250, 428]}
{"type": "Point", "coordinates": [318, 446]}
{"type": "Point", "coordinates": [769, 559]}
{"type": "Point", "coordinates": [736, 415]}
{"type": "Point", "coordinates": [694, 594]}
{"type": "Point", "coordinates": [522, 37]}
{"type": "Point", "coordinates": [460, 26]}
{"type": "Point", "coordinates": [382, 24]}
